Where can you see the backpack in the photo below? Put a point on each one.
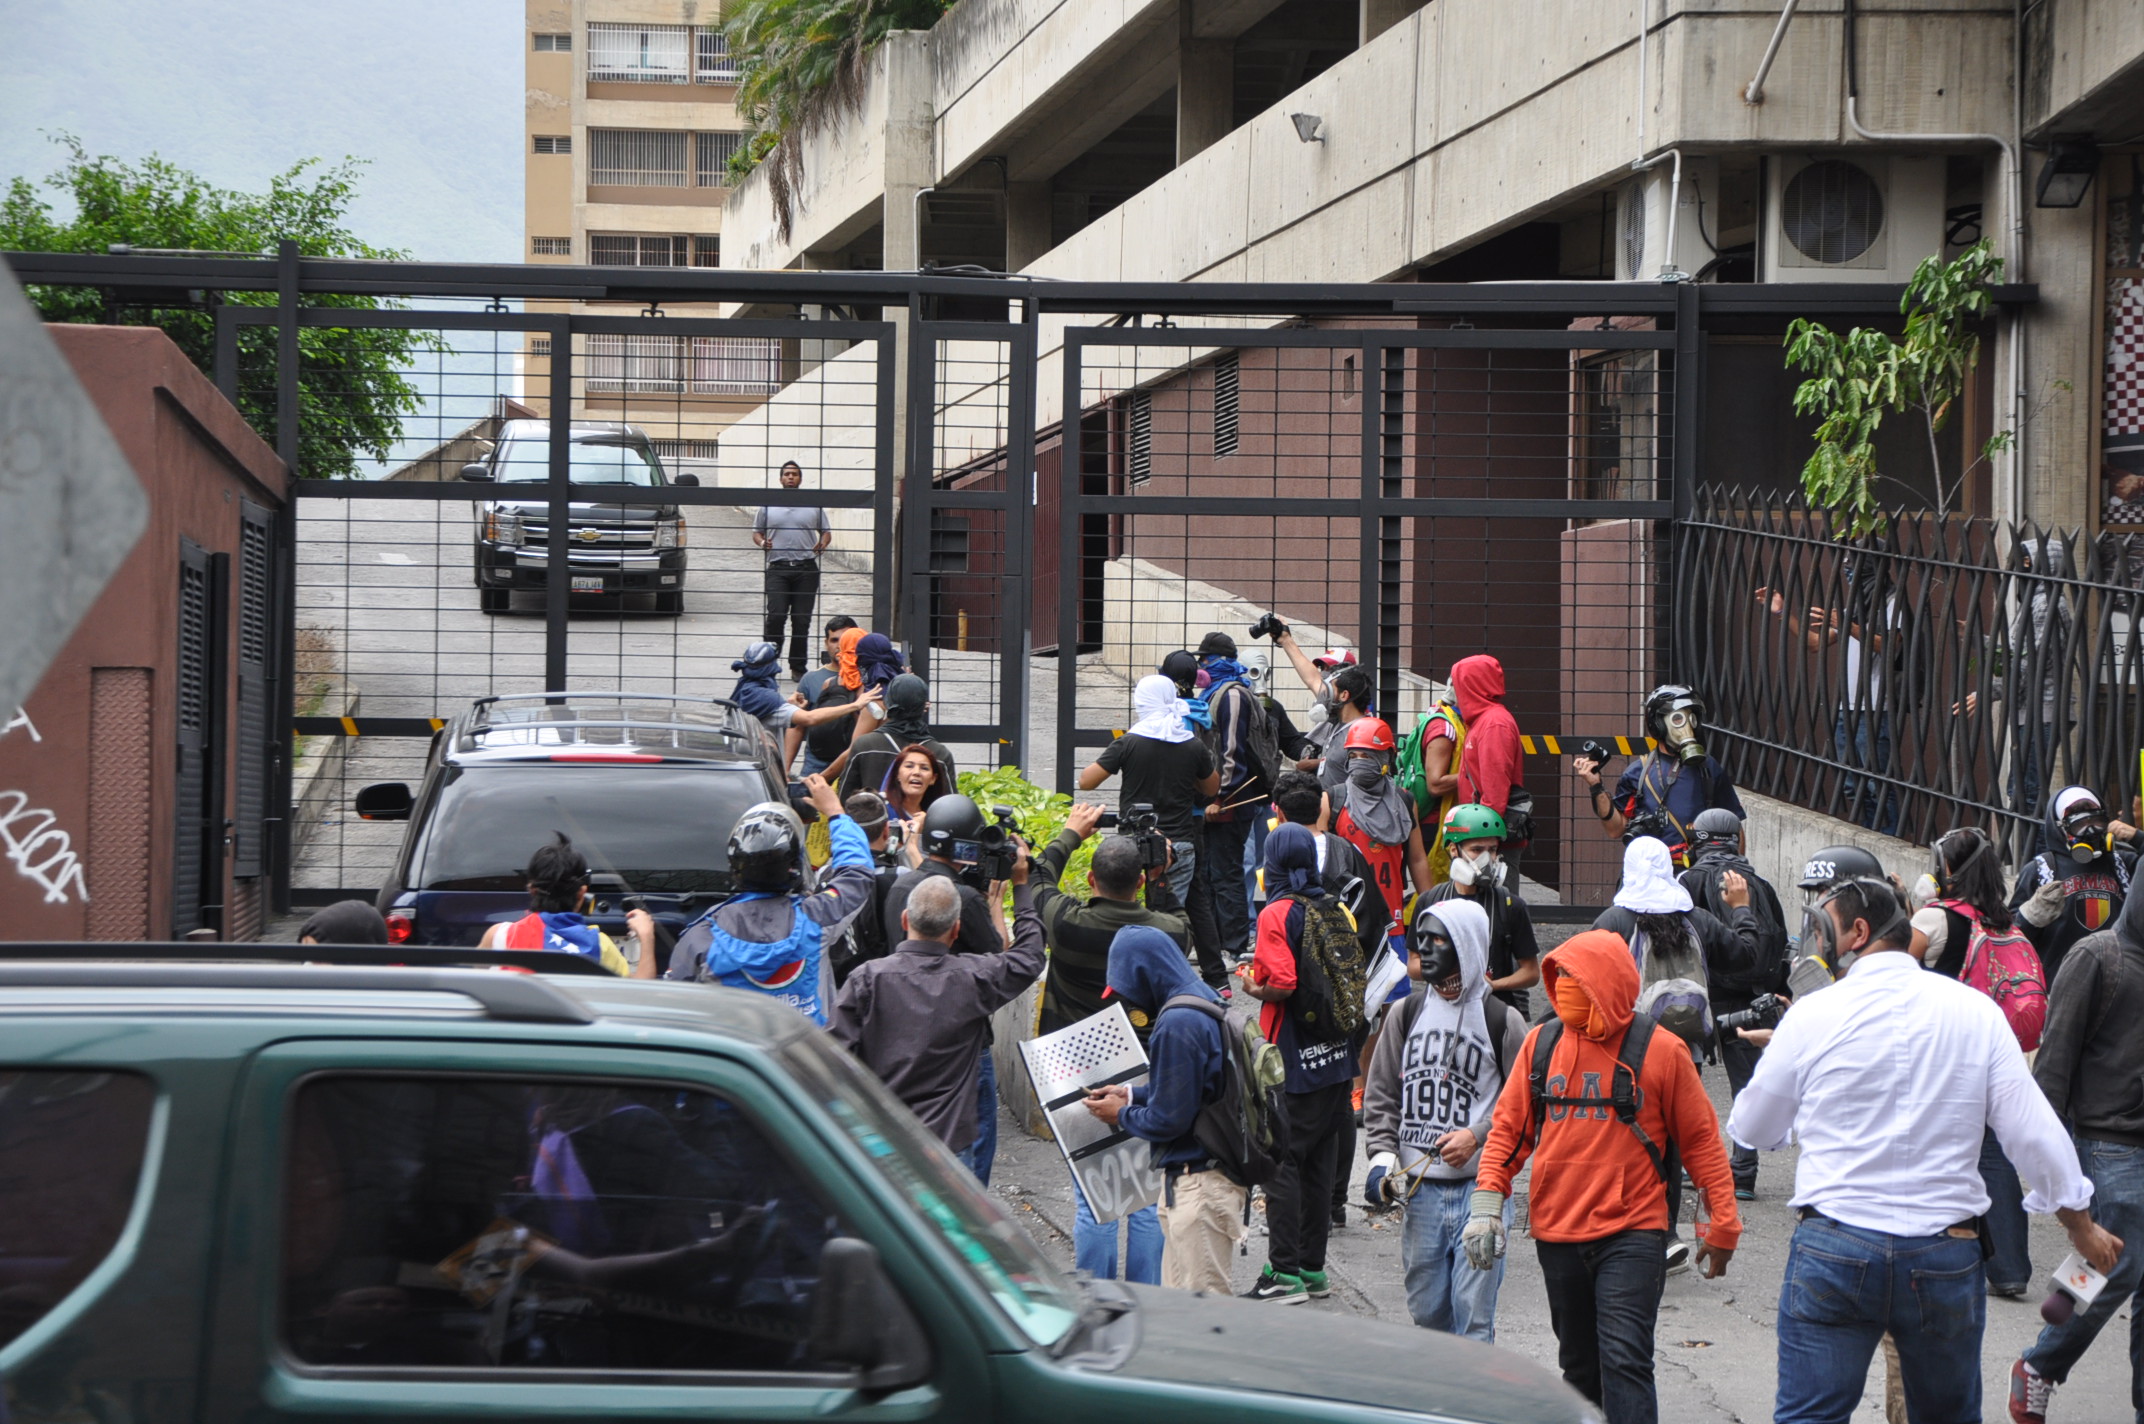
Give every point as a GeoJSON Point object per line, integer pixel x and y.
{"type": "Point", "coordinates": [1774, 954]}
{"type": "Point", "coordinates": [1330, 976]}
{"type": "Point", "coordinates": [1623, 1094]}
{"type": "Point", "coordinates": [1261, 743]}
{"type": "Point", "coordinates": [2003, 965]}
{"type": "Point", "coordinates": [1244, 1129]}
{"type": "Point", "coordinates": [1413, 779]}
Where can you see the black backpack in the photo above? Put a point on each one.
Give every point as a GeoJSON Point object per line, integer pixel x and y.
{"type": "Point", "coordinates": [1623, 1094]}
{"type": "Point", "coordinates": [1260, 740]}
{"type": "Point", "coordinates": [1245, 1129]}
{"type": "Point", "coordinates": [1774, 954]}
{"type": "Point", "coordinates": [1330, 976]}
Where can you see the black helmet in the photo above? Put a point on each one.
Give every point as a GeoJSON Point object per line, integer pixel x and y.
{"type": "Point", "coordinates": [766, 849]}
{"type": "Point", "coordinates": [949, 819]}
{"type": "Point", "coordinates": [1839, 862]}
{"type": "Point", "coordinates": [1669, 697]}
{"type": "Point", "coordinates": [1715, 827]}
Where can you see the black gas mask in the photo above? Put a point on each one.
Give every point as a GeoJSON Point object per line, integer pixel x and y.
{"type": "Point", "coordinates": [1820, 937]}
{"type": "Point", "coordinates": [1440, 958]}
{"type": "Point", "coordinates": [2085, 835]}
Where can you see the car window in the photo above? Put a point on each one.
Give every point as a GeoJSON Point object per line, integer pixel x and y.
{"type": "Point", "coordinates": [593, 462]}
{"type": "Point", "coordinates": [71, 1148]}
{"type": "Point", "coordinates": [1001, 1256]}
{"type": "Point", "coordinates": [661, 829]}
{"type": "Point", "coordinates": [543, 1224]}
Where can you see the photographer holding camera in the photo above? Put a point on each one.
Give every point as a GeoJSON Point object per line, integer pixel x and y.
{"type": "Point", "coordinates": [1662, 792]}
{"type": "Point", "coordinates": [1344, 692]}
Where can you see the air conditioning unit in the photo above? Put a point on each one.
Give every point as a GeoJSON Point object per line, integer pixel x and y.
{"type": "Point", "coordinates": [1644, 232]}
{"type": "Point", "coordinates": [1857, 218]}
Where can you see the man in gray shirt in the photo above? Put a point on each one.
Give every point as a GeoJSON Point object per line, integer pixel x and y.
{"type": "Point", "coordinates": [793, 536]}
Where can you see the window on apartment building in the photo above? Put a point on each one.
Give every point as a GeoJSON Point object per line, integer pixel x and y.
{"type": "Point", "coordinates": [633, 249]}
{"type": "Point", "coordinates": [539, 346]}
{"type": "Point", "coordinates": [672, 451]}
{"type": "Point", "coordinates": [551, 246]}
{"type": "Point", "coordinates": [700, 365]}
{"type": "Point", "coordinates": [640, 54]}
{"type": "Point", "coordinates": [707, 251]}
{"type": "Point", "coordinates": [554, 143]}
{"type": "Point", "coordinates": [713, 154]}
{"type": "Point", "coordinates": [1139, 464]}
{"type": "Point", "coordinates": [553, 44]}
{"type": "Point", "coordinates": [712, 55]}
{"type": "Point", "coordinates": [1227, 376]}
{"type": "Point", "coordinates": [637, 158]}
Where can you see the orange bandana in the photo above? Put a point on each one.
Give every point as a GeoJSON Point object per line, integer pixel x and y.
{"type": "Point", "coordinates": [1575, 1007]}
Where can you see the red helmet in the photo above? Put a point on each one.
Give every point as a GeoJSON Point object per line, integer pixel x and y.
{"type": "Point", "coordinates": [1370, 734]}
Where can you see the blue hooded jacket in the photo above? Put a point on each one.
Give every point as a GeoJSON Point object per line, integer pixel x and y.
{"type": "Point", "coordinates": [756, 692]}
{"type": "Point", "coordinates": [1185, 1050]}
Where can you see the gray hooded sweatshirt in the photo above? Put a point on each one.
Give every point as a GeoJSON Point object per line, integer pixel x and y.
{"type": "Point", "coordinates": [2091, 1060]}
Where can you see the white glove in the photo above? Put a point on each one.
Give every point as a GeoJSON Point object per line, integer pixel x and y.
{"type": "Point", "coordinates": [1483, 1239]}
{"type": "Point", "coordinates": [1377, 1184]}
{"type": "Point", "coordinates": [2044, 907]}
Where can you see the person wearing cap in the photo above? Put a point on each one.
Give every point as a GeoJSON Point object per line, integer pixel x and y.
{"type": "Point", "coordinates": [1887, 1081]}
{"type": "Point", "coordinates": [1596, 1206]}
{"type": "Point", "coordinates": [757, 694]}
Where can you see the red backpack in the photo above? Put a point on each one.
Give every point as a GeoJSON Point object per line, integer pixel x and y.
{"type": "Point", "coordinates": [2003, 965]}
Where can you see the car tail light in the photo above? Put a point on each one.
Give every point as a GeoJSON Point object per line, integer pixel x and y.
{"type": "Point", "coordinates": [400, 926]}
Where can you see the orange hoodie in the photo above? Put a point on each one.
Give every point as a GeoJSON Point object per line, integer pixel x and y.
{"type": "Point", "coordinates": [1592, 1177]}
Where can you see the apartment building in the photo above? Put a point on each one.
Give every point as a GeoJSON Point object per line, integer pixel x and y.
{"type": "Point", "coordinates": [631, 121]}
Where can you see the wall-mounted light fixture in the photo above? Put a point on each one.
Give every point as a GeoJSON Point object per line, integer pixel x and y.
{"type": "Point", "coordinates": [1307, 127]}
{"type": "Point", "coordinates": [2067, 174]}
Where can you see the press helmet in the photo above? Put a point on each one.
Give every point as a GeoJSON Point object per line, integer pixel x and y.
{"type": "Point", "coordinates": [766, 848]}
{"type": "Point", "coordinates": [1838, 862]}
{"type": "Point", "coordinates": [949, 819]}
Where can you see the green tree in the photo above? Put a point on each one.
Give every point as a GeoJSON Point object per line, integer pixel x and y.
{"type": "Point", "coordinates": [352, 393]}
{"type": "Point", "coordinates": [1858, 378]}
{"type": "Point", "coordinates": [802, 65]}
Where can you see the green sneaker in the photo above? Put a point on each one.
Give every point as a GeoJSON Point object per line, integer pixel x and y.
{"type": "Point", "coordinates": [1273, 1286]}
{"type": "Point", "coordinates": [1315, 1285]}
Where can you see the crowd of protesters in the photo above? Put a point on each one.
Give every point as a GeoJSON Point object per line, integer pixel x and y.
{"type": "Point", "coordinates": [1948, 1054]}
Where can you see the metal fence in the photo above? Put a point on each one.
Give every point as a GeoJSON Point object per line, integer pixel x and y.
{"type": "Point", "coordinates": [1928, 674]}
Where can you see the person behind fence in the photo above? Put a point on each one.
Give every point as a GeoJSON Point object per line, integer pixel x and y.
{"type": "Point", "coordinates": [1689, 965]}
{"type": "Point", "coordinates": [1596, 1102]}
{"type": "Point", "coordinates": [793, 535]}
{"type": "Point", "coordinates": [1434, 1078]}
{"type": "Point", "coordinates": [1662, 791]}
{"type": "Point", "coordinates": [558, 892]}
{"type": "Point", "coordinates": [2090, 1062]}
{"type": "Point", "coordinates": [771, 936]}
{"type": "Point", "coordinates": [1718, 849]}
{"type": "Point", "coordinates": [2077, 885]}
{"type": "Point", "coordinates": [1202, 1210]}
{"type": "Point", "coordinates": [1475, 835]}
{"type": "Point", "coordinates": [1079, 935]}
{"type": "Point", "coordinates": [1247, 756]}
{"type": "Point", "coordinates": [757, 694]}
{"type": "Point", "coordinates": [920, 1017]}
{"type": "Point", "coordinates": [1308, 973]}
{"type": "Point", "coordinates": [1887, 1081]}
{"type": "Point", "coordinates": [822, 687]}
{"type": "Point", "coordinates": [1165, 766]}
{"type": "Point", "coordinates": [1335, 705]}
{"type": "Point", "coordinates": [905, 723]}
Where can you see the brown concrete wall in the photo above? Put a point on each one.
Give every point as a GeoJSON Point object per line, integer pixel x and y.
{"type": "Point", "coordinates": [93, 784]}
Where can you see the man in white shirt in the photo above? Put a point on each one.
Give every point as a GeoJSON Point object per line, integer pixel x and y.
{"type": "Point", "coordinates": [1888, 1079]}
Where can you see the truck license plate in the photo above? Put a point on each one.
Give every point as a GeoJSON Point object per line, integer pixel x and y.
{"type": "Point", "coordinates": [591, 584]}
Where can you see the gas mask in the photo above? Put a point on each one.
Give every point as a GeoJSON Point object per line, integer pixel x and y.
{"type": "Point", "coordinates": [1820, 937]}
{"type": "Point", "coordinates": [1684, 733]}
{"type": "Point", "coordinates": [1440, 962]}
{"type": "Point", "coordinates": [2085, 835]}
{"type": "Point", "coordinates": [1481, 867]}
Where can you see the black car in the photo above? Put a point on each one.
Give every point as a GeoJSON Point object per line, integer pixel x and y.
{"type": "Point", "coordinates": [612, 549]}
{"type": "Point", "coordinates": [646, 788]}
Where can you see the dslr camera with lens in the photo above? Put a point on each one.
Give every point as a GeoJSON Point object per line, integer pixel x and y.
{"type": "Point", "coordinates": [1268, 626]}
{"type": "Point", "coordinates": [1140, 822]}
{"type": "Point", "coordinates": [1764, 1011]}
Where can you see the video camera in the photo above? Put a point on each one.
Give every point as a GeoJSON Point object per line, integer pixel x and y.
{"type": "Point", "coordinates": [996, 850]}
{"type": "Point", "coordinates": [1139, 821]}
{"type": "Point", "coordinates": [1764, 1011]}
{"type": "Point", "coordinates": [1268, 626]}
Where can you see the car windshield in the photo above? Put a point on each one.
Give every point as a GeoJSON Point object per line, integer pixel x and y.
{"type": "Point", "coordinates": [596, 461]}
{"type": "Point", "coordinates": [661, 829]}
{"type": "Point", "coordinates": [1001, 1257]}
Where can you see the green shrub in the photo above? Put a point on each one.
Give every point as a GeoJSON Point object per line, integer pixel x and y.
{"type": "Point", "coordinates": [1041, 813]}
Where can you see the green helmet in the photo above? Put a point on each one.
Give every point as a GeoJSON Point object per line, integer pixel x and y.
{"type": "Point", "coordinates": [1473, 822]}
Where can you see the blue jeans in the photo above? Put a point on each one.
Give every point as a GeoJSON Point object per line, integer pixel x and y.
{"type": "Point", "coordinates": [2011, 1264]}
{"type": "Point", "coordinates": [1444, 1292]}
{"type": "Point", "coordinates": [2117, 1173]}
{"type": "Point", "coordinates": [1863, 743]}
{"type": "Point", "coordinates": [813, 763]}
{"type": "Point", "coordinates": [984, 1150]}
{"type": "Point", "coordinates": [1254, 855]}
{"type": "Point", "coordinates": [1182, 867]}
{"type": "Point", "coordinates": [1094, 1243]}
{"type": "Point", "coordinates": [1845, 1287]}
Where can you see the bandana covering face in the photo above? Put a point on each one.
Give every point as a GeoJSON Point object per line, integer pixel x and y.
{"type": "Point", "coordinates": [1575, 1007]}
{"type": "Point", "coordinates": [1160, 711]}
{"type": "Point", "coordinates": [852, 677]}
{"type": "Point", "coordinates": [877, 660]}
{"type": "Point", "coordinates": [1376, 803]}
{"type": "Point", "coordinates": [757, 670]}
{"type": "Point", "coordinates": [1220, 669]}
{"type": "Point", "coordinates": [906, 698]}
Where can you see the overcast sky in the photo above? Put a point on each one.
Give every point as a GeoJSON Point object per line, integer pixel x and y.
{"type": "Point", "coordinates": [428, 90]}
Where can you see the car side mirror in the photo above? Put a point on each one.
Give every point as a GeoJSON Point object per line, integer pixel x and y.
{"type": "Point", "coordinates": [384, 801]}
{"type": "Point", "coordinates": [859, 1320]}
{"type": "Point", "coordinates": [478, 471]}
{"type": "Point", "coordinates": [687, 479]}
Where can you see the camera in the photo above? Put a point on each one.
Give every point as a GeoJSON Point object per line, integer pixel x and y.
{"type": "Point", "coordinates": [1268, 626]}
{"type": "Point", "coordinates": [1764, 1011]}
{"type": "Point", "coordinates": [1595, 750]}
{"type": "Point", "coordinates": [1139, 821]}
{"type": "Point", "coordinates": [996, 850]}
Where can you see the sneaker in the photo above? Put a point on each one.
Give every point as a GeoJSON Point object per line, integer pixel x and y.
{"type": "Point", "coordinates": [1271, 1285]}
{"type": "Point", "coordinates": [2030, 1394]}
{"type": "Point", "coordinates": [2006, 1292]}
{"type": "Point", "coordinates": [1316, 1286]}
{"type": "Point", "coordinates": [1678, 1256]}
{"type": "Point", "coordinates": [1339, 1219]}
{"type": "Point", "coordinates": [1746, 1191]}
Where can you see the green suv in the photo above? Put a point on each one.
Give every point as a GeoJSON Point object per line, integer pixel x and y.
{"type": "Point", "coordinates": [266, 1190]}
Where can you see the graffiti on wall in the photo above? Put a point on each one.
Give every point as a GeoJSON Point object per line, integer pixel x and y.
{"type": "Point", "coordinates": [32, 840]}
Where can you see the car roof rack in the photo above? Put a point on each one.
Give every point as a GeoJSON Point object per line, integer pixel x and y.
{"type": "Point", "coordinates": [518, 998]}
{"type": "Point", "coordinates": [556, 719]}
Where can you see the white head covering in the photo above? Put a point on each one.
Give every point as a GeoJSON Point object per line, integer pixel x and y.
{"type": "Point", "coordinates": [1442, 1028]}
{"type": "Point", "coordinates": [1649, 884]}
{"type": "Point", "coordinates": [1160, 710]}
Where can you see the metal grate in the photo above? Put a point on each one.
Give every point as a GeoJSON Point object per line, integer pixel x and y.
{"type": "Point", "coordinates": [554, 143]}
{"type": "Point", "coordinates": [193, 647]}
{"type": "Point", "coordinates": [639, 54]}
{"type": "Point", "coordinates": [1831, 211]}
{"type": "Point", "coordinates": [704, 365]}
{"type": "Point", "coordinates": [539, 346]}
{"type": "Point", "coordinates": [707, 251]}
{"type": "Point", "coordinates": [672, 450]}
{"type": "Point", "coordinates": [628, 249]}
{"type": "Point", "coordinates": [1227, 380]}
{"type": "Point", "coordinates": [714, 153]}
{"type": "Point", "coordinates": [550, 247]}
{"type": "Point", "coordinates": [1140, 467]}
{"type": "Point", "coordinates": [714, 62]}
{"type": "Point", "coordinates": [637, 158]}
{"type": "Point", "coordinates": [553, 43]}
